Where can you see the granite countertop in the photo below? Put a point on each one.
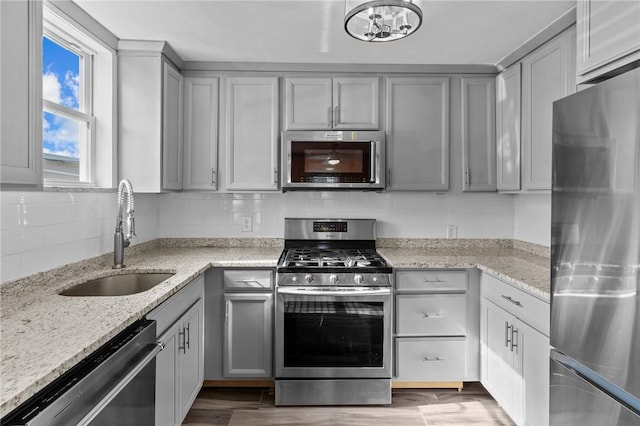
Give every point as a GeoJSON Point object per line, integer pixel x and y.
{"type": "Point", "coordinates": [44, 334]}
{"type": "Point", "coordinates": [520, 268]}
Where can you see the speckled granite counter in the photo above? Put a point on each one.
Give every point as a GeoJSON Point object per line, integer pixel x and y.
{"type": "Point", "coordinates": [520, 268]}
{"type": "Point", "coordinates": [44, 334]}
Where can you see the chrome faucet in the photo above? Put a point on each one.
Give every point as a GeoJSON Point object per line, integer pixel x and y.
{"type": "Point", "coordinates": [119, 240]}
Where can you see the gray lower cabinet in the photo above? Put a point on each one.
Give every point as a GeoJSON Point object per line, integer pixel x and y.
{"type": "Point", "coordinates": [248, 335]}
{"type": "Point", "coordinates": [436, 337]}
{"type": "Point", "coordinates": [239, 324]}
{"type": "Point", "coordinates": [180, 365]}
{"type": "Point", "coordinates": [515, 351]}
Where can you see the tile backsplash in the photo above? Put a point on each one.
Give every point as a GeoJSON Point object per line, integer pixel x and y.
{"type": "Point", "coordinates": [43, 230]}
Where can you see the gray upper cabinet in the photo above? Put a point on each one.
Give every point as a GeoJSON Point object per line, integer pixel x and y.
{"type": "Point", "coordinates": [478, 134]}
{"type": "Point", "coordinates": [21, 87]}
{"type": "Point", "coordinates": [332, 103]}
{"type": "Point", "coordinates": [508, 87]}
{"type": "Point", "coordinates": [608, 37]}
{"type": "Point", "coordinates": [417, 123]}
{"type": "Point", "coordinates": [251, 133]}
{"type": "Point", "coordinates": [200, 134]}
{"type": "Point", "coordinates": [548, 74]}
{"type": "Point", "coordinates": [150, 103]}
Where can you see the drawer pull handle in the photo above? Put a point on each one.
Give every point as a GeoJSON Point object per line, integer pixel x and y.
{"type": "Point", "coordinates": [428, 281]}
{"type": "Point", "coordinates": [248, 281]}
{"type": "Point", "coordinates": [425, 315]}
{"type": "Point", "coordinates": [515, 302]}
{"type": "Point", "coordinates": [427, 359]}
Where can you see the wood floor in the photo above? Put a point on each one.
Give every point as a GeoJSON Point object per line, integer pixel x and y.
{"type": "Point", "coordinates": [419, 407]}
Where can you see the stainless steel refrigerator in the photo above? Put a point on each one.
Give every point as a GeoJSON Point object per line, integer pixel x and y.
{"type": "Point", "coordinates": [595, 256]}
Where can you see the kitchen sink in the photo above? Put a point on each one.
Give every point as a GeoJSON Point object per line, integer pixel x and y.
{"type": "Point", "coordinates": [118, 285]}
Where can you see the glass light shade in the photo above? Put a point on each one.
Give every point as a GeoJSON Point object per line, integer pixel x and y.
{"type": "Point", "coordinates": [381, 20]}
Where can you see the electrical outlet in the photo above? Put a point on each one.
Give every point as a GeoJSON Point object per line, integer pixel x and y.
{"type": "Point", "coordinates": [247, 223]}
{"type": "Point", "coordinates": [452, 231]}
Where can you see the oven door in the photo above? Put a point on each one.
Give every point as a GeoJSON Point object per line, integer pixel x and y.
{"type": "Point", "coordinates": [333, 332]}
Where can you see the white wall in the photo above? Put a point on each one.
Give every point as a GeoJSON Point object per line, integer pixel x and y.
{"type": "Point", "coordinates": [44, 230]}
{"type": "Point", "coordinates": [399, 215]}
{"type": "Point", "coordinates": [532, 218]}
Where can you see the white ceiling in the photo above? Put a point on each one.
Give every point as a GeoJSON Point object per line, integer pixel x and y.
{"type": "Point", "coordinates": [311, 31]}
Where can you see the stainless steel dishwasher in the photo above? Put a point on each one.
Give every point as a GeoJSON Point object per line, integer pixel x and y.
{"type": "Point", "coordinates": [113, 386]}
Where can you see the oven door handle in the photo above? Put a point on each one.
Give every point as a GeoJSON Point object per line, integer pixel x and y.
{"type": "Point", "coordinates": [318, 291]}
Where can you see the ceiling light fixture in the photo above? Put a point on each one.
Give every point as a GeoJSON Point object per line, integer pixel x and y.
{"type": "Point", "coordinates": [381, 20]}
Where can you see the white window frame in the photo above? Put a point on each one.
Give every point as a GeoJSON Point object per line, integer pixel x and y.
{"type": "Point", "coordinates": [83, 114]}
{"type": "Point", "coordinates": [67, 25]}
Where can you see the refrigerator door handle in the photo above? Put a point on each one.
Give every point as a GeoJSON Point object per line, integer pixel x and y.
{"type": "Point", "coordinates": [628, 400]}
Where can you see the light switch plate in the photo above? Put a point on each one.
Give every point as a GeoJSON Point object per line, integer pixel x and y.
{"type": "Point", "coordinates": [247, 224]}
{"type": "Point", "coordinates": [452, 231]}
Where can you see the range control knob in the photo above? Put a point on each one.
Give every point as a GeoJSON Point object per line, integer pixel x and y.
{"type": "Point", "coordinates": [333, 279]}
{"type": "Point", "coordinates": [359, 279]}
{"type": "Point", "coordinates": [308, 278]}
{"type": "Point", "coordinates": [294, 279]}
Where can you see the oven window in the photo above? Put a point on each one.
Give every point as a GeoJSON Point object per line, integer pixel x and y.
{"type": "Point", "coordinates": [331, 162]}
{"type": "Point", "coordinates": [333, 334]}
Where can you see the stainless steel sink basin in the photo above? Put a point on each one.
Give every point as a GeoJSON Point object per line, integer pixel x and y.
{"type": "Point", "coordinates": [118, 285]}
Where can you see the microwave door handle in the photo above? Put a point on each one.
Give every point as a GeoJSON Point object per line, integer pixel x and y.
{"type": "Point", "coordinates": [372, 171]}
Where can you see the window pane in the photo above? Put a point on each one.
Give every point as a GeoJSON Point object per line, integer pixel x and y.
{"type": "Point", "coordinates": [61, 75]}
{"type": "Point", "coordinates": [62, 145]}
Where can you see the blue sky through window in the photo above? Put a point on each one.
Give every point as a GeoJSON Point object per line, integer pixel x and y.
{"type": "Point", "coordinates": [60, 84]}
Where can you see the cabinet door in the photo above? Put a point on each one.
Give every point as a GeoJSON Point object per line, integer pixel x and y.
{"type": "Point", "coordinates": [308, 103]}
{"type": "Point", "coordinates": [172, 128]}
{"type": "Point", "coordinates": [498, 368]}
{"type": "Point", "coordinates": [418, 133]}
{"type": "Point", "coordinates": [546, 75]}
{"type": "Point", "coordinates": [248, 323]}
{"type": "Point", "coordinates": [251, 141]}
{"type": "Point", "coordinates": [200, 134]}
{"type": "Point", "coordinates": [478, 134]}
{"type": "Point", "coordinates": [192, 356]}
{"type": "Point", "coordinates": [608, 36]}
{"type": "Point", "coordinates": [168, 377]}
{"type": "Point", "coordinates": [535, 375]}
{"type": "Point", "coordinates": [508, 129]}
{"type": "Point", "coordinates": [21, 87]}
{"type": "Point", "coordinates": [356, 103]}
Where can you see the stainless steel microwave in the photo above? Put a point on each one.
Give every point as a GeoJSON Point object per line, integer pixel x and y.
{"type": "Point", "coordinates": [333, 160]}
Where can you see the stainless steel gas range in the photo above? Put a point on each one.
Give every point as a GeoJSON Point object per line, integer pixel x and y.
{"type": "Point", "coordinates": [333, 315]}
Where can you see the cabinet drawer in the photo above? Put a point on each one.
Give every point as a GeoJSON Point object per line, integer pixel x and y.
{"type": "Point", "coordinates": [431, 280]}
{"type": "Point", "coordinates": [431, 359]}
{"type": "Point", "coordinates": [243, 279]}
{"type": "Point", "coordinates": [519, 303]}
{"type": "Point", "coordinates": [431, 314]}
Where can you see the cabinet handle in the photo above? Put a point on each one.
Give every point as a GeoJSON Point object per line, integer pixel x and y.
{"type": "Point", "coordinates": [514, 339]}
{"type": "Point", "coordinates": [329, 117]}
{"type": "Point", "coordinates": [507, 334]}
{"type": "Point", "coordinates": [275, 177]}
{"type": "Point", "coordinates": [428, 281]}
{"type": "Point", "coordinates": [188, 338]}
{"type": "Point", "coordinates": [425, 315]}
{"type": "Point", "coordinates": [226, 311]}
{"type": "Point", "coordinates": [213, 177]}
{"type": "Point", "coordinates": [249, 282]}
{"type": "Point", "coordinates": [389, 176]}
{"type": "Point", "coordinates": [467, 178]}
{"type": "Point", "coordinates": [515, 302]}
{"type": "Point", "coordinates": [182, 347]}
{"type": "Point", "coordinates": [336, 115]}
{"type": "Point", "coordinates": [427, 359]}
